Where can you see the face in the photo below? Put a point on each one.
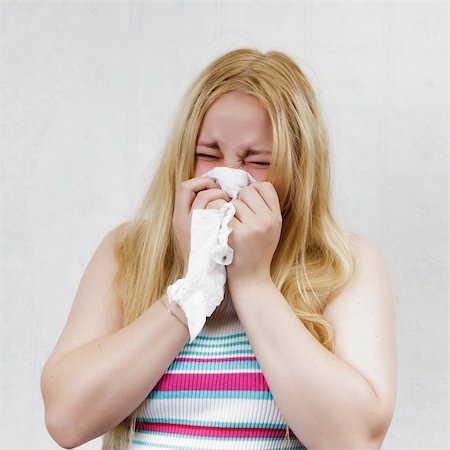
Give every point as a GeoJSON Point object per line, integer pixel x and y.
{"type": "Point", "coordinates": [235, 132]}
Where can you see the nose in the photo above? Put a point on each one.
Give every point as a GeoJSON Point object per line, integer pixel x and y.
{"type": "Point", "coordinates": [232, 164]}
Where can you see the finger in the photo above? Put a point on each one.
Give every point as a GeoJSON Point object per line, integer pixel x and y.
{"type": "Point", "coordinates": [234, 224]}
{"type": "Point", "coordinates": [252, 198]}
{"type": "Point", "coordinates": [187, 190]}
{"type": "Point", "coordinates": [204, 197]}
{"type": "Point", "coordinates": [215, 204]}
{"type": "Point", "coordinates": [243, 212]}
{"type": "Point", "coordinates": [269, 195]}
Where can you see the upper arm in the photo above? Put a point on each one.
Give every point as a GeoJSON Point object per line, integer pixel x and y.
{"type": "Point", "coordinates": [94, 312]}
{"type": "Point", "coordinates": [363, 318]}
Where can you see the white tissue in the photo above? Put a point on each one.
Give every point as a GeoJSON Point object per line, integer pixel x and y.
{"type": "Point", "coordinates": [230, 180]}
{"type": "Point", "coordinates": [202, 290]}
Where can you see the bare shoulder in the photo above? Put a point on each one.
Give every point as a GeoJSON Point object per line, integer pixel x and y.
{"type": "Point", "coordinates": [364, 249]}
{"type": "Point", "coordinates": [94, 312]}
{"type": "Point", "coordinates": [371, 268]}
{"type": "Point", "coordinates": [363, 318]}
{"type": "Point", "coordinates": [370, 279]}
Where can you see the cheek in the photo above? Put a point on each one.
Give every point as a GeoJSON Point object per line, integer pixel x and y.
{"type": "Point", "coordinates": [258, 175]}
{"type": "Point", "coordinates": [203, 166]}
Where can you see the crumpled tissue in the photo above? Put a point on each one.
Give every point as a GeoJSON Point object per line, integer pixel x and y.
{"type": "Point", "coordinates": [202, 290]}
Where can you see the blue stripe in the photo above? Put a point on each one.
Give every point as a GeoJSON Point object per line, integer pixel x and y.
{"type": "Point", "coordinates": [258, 395]}
{"type": "Point", "coordinates": [220, 338]}
{"type": "Point", "coordinates": [230, 352]}
{"type": "Point", "coordinates": [212, 423]}
{"type": "Point", "coordinates": [213, 365]}
{"type": "Point", "coordinates": [218, 344]}
{"type": "Point", "coordinates": [154, 444]}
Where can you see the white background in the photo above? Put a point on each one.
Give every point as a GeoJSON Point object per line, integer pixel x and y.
{"type": "Point", "coordinates": [88, 90]}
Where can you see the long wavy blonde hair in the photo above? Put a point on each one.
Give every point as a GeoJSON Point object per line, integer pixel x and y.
{"type": "Point", "coordinates": [312, 262]}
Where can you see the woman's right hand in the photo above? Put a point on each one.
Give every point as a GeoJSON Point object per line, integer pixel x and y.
{"type": "Point", "coordinates": [195, 193]}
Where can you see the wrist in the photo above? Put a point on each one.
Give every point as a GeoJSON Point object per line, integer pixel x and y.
{"type": "Point", "coordinates": [188, 295]}
{"type": "Point", "coordinates": [179, 311]}
{"type": "Point", "coordinates": [174, 312]}
{"type": "Point", "coordinates": [250, 282]}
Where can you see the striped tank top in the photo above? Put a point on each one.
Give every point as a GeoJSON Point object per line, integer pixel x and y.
{"type": "Point", "coordinates": [213, 396]}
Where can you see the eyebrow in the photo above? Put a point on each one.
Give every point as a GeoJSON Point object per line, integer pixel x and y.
{"type": "Point", "coordinates": [248, 152]}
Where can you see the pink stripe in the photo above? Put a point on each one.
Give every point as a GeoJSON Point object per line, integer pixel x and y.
{"type": "Point", "coordinates": [195, 430]}
{"type": "Point", "coordinates": [238, 358]}
{"type": "Point", "coordinates": [212, 382]}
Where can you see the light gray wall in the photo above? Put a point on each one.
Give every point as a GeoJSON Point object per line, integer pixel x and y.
{"type": "Point", "coordinates": [87, 94]}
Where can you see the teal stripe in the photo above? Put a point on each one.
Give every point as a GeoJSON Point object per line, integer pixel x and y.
{"type": "Point", "coordinates": [154, 444]}
{"type": "Point", "coordinates": [219, 344]}
{"type": "Point", "coordinates": [230, 352]}
{"type": "Point", "coordinates": [213, 365]}
{"type": "Point", "coordinates": [213, 423]}
{"type": "Point", "coordinates": [217, 338]}
{"type": "Point", "coordinates": [258, 395]}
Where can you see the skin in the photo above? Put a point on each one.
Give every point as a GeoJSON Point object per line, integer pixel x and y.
{"type": "Point", "coordinates": [96, 375]}
{"type": "Point", "coordinates": [236, 133]}
{"type": "Point", "coordinates": [355, 385]}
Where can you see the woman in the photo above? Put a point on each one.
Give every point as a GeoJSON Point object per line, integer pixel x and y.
{"type": "Point", "coordinates": [301, 352]}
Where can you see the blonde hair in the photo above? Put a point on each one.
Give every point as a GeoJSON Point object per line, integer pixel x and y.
{"type": "Point", "coordinates": [312, 262]}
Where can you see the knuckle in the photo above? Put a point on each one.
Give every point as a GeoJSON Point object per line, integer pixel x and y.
{"type": "Point", "coordinates": [277, 218]}
{"type": "Point", "coordinates": [181, 188]}
{"type": "Point", "coordinates": [262, 229]}
{"type": "Point", "coordinates": [266, 226]}
{"type": "Point", "coordinates": [242, 193]}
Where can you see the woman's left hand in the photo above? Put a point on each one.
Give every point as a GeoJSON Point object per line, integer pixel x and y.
{"type": "Point", "coordinates": [256, 232]}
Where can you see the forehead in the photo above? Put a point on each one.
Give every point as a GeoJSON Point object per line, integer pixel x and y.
{"type": "Point", "coordinates": [237, 115]}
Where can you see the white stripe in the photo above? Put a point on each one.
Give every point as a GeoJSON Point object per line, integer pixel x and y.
{"type": "Point", "coordinates": [215, 409]}
{"type": "Point", "coordinates": [220, 349]}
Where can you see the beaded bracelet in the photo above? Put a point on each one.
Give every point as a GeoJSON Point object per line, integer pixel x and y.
{"type": "Point", "coordinates": [163, 301]}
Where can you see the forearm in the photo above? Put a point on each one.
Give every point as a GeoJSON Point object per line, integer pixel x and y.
{"type": "Point", "coordinates": [91, 389]}
{"type": "Point", "coordinates": [324, 400]}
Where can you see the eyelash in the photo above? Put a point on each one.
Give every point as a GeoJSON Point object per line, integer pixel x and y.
{"type": "Point", "coordinates": [253, 162]}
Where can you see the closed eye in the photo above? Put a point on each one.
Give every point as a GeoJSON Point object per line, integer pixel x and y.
{"type": "Point", "coordinates": [256, 163]}
{"type": "Point", "coordinates": [207, 156]}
